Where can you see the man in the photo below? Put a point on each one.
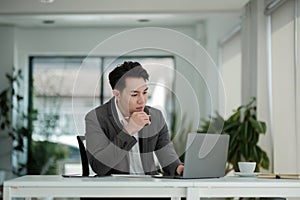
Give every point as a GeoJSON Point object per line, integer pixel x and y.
{"type": "Point", "coordinates": [122, 134]}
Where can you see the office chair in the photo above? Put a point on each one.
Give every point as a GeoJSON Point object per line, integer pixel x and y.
{"type": "Point", "coordinates": [83, 156]}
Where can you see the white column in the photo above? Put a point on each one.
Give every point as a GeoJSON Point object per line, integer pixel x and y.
{"type": "Point", "coordinates": [249, 51]}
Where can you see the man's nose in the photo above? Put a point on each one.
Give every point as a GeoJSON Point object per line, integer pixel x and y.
{"type": "Point", "coordinates": [141, 99]}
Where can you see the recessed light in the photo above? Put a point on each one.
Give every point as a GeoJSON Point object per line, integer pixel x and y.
{"type": "Point", "coordinates": [46, 1]}
{"type": "Point", "coordinates": [143, 20]}
{"type": "Point", "coordinates": [48, 21]}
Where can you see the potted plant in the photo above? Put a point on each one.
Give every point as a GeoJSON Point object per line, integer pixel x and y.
{"type": "Point", "coordinates": [244, 130]}
{"type": "Point", "coordinates": [17, 129]}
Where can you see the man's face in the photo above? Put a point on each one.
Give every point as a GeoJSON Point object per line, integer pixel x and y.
{"type": "Point", "coordinates": [134, 96]}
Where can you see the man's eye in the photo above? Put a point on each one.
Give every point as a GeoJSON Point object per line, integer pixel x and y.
{"type": "Point", "coordinates": [145, 92]}
{"type": "Point", "coordinates": [133, 95]}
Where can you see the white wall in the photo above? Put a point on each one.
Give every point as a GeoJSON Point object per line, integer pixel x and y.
{"type": "Point", "coordinates": [6, 65]}
{"type": "Point", "coordinates": [231, 73]}
{"type": "Point", "coordinates": [216, 30]}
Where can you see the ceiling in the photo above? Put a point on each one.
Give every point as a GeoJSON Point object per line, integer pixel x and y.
{"type": "Point", "coordinates": [91, 20]}
{"type": "Point", "coordinates": [95, 13]}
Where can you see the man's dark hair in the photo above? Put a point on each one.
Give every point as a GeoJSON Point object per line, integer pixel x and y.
{"type": "Point", "coordinates": [130, 69]}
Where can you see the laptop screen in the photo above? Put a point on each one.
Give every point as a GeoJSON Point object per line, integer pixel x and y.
{"type": "Point", "coordinates": [205, 155]}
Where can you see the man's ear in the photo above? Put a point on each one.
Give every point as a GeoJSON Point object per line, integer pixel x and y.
{"type": "Point", "coordinates": [116, 93]}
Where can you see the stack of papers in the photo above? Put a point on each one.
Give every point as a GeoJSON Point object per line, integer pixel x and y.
{"type": "Point", "coordinates": [132, 175]}
{"type": "Point", "coordinates": [284, 176]}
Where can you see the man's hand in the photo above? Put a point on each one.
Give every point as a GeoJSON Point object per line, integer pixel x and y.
{"type": "Point", "coordinates": [137, 121]}
{"type": "Point", "coordinates": [180, 169]}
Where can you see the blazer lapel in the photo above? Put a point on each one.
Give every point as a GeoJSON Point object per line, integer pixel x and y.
{"type": "Point", "coordinates": [113, 115]}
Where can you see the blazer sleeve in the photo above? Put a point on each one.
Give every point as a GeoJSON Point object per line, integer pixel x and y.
{"type": "Point", "coordinates": [164, 150]}
{"type": "Point", "coordinates": [105, 154]}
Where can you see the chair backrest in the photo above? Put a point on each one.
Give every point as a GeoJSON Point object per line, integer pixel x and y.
{"type": "Point", "coordinates": [83, 156]}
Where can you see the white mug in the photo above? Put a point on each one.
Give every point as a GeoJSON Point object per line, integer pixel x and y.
{"type": "Point", "coordinates": [247, 167]}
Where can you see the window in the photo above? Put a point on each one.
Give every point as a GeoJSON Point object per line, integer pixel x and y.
{"type": "Point", "coordinates": [284, 88]}
{"type": "Point", "coordinates": [54, 91]}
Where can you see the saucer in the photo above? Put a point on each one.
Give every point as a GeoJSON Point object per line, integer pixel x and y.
{"type": "Point", "coordinates": [246, 174]}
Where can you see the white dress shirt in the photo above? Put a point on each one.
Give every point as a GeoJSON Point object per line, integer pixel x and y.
{"type": "Point", "coordinates": [135, 161]}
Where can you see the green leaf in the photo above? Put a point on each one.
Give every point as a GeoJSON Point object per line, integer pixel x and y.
{"type": "Point", "coordinates": [254, 154]}
{"type": "Point", "coordinates": [230, 126]}
{"type": "Point", "coordinates": [264, 126]}
{"type": "Point", "coordinates": [259, 126]}
{"type": "Point", "coordinates": [234, 117]}
{"type": "Point", "coordinates": [265, 161]}
{"type": "Point", "coordinates": [233, 138]}
{"type": "Point", "coordinates": [246, 151]}
{"type": "Point", "coordinates": [254, 139]}
{"type": "Point", "coordinates": [244, 131]}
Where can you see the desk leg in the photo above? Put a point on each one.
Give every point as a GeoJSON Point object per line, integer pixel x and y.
{"type": "Point", "coordinates": [6, 193]}
{"type": "Point", "coordinates": [192, 194]}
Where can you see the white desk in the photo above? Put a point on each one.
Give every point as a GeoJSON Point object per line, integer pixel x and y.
{"type": "Point", "coordinates": [56, 186]}
{"type": "Point", "coordinates": [245, 187]}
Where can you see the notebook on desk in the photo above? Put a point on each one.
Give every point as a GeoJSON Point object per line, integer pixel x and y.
{"type": "Point", "coordinates": [205, 156]}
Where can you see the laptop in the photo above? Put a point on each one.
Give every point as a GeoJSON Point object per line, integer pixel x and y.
{"type": "Point", "coordinates": [205, 156]}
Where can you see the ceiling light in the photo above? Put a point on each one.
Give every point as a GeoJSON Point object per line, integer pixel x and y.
{"type": "Point", "coordinates": [143, 20]}
{"type": "Point", "coordinates": [46, 1]}
{"type": "Point", "coordinates": [48, 21]}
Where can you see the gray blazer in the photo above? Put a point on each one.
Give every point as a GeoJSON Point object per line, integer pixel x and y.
{"type": "Point", "coordinates": [107, 143]}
